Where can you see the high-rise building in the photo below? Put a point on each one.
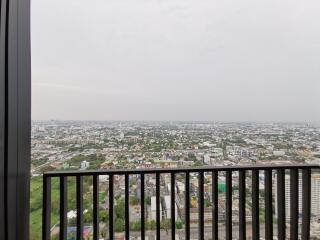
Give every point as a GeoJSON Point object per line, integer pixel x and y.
{"type": "Point", "coordinates": [315, 195]}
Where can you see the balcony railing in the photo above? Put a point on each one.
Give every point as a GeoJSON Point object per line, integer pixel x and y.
{"type": "Point", "coordinates": [272, 174]}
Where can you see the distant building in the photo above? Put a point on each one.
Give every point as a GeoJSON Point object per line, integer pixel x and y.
{"type": "Point", "coordinates": [121, 137]}
{"type": "Point", "coordinates": [315, 195]}
{"type": "Point", "coordinates": [207, 159]}
{"type": "Point", "coordinates": [217, 152]}
{"type": "Point", "coordinates": [154, 209]}
{"type": "Point", "coordinates": [84, 165]}
{"type": "Point", "coordinates": [167, 200]}
{"type": "Point", "coordinates": [279, 153]}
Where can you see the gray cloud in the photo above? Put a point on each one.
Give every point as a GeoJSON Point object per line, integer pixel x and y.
{"type": "Point", "coordinates": [176, 60]}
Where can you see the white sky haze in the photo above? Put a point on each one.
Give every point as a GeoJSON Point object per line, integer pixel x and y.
{"type": "Point", "coordinates": [227, 60]}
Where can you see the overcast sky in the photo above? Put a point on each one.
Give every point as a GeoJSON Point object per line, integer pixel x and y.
{"type": "Point", "coordinates": [229, 60]}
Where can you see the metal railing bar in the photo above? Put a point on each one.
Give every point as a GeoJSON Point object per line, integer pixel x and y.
{"type": "Point", "coordinates": [215, 205]}
{"type": "Point", "coordinates": [158, 212]}
{"type": "Point", "coordinates": [63, 207]}
{"type": "Point", "coordinates": [46, 210]}
{"type": "Point", "coordinates": [294, 203]}
{"type": "Point", "coordinates": [127, 216]}
{"type": "Point", "coordinates": [178, 170]}
{"type": "Point", "coordinates": [242, 204]}
{"type": "Point", "coordinates": [255, 205]}
{"type": "Point", "coordinates": [281, 209]}
{"type": "Point", "coordinates": [79, 200]}
{"type": "Point", "coordinates": [268, 204]}
{"type": "Point", "coordinates": [187, 206]}
{"type": "Point", "coordinates": [306, 203]}
{"type": "Point", "coordinates": [268, 198]}
{"type": "Point", "coordinates": [201, 205]}
{"type": "Point", "coordinates": [173, 207]}
{"type": "Point", "coordinates": [95, 207]}
{"type": "Point", "coordinates": [111, 233]}
{"type": "Point", "coordinates": [228, 205]}
{"type": "Point", "coordinates": [142, 207]}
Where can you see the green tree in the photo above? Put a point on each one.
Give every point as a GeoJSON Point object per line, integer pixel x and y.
{"type": "Point", "coordinates": [119, 225]}
{"type": "Point", "coordinates": [179, 224]}
{"type": "Point", "coordinates": [134, 200]}
{"type": "Point", "coordinates": [151, 225]}
{"type": "Point", "coordinates": [104, 216]}
{"type": "Point", "coordinates": [135, 226]}
{"type": "Point", "coordinates": [148, 200]}
{"type": "Point", "coordinates": [120, 208]}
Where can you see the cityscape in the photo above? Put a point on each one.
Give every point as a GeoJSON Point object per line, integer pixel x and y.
{"type": "Point", "coordinates": [161, 120]}
{"type": "Point", "coordinates": [94, 145]}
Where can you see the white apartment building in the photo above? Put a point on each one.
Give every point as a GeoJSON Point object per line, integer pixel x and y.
{"type": "Point", "coordinates": [167, 200]}
{"type": "Point", "coordinates": [154, 209]}
{"type": "Point", "coordinates": [315, 194]}
{"type": "Point", "coordinates": [84, 165]}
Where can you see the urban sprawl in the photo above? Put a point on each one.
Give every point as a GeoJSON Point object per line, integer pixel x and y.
{"type": "Point", "coordinates": [93, 145]}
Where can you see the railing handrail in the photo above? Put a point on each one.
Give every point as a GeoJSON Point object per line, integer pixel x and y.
{"type": "Point", "coordinates": [178, 170]}
{"type": "Point", "coordinates": [268, 169]}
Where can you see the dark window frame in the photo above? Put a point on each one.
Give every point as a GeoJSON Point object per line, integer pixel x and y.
{"type": "Point", "coordinates": [15, 118]}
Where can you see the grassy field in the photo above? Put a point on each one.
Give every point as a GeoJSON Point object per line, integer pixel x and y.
{"type": "Point", "coordinates": [36, 206]}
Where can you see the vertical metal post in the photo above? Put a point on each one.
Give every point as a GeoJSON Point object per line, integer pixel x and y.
{"type": "Point", "coordinates": [111, 233]}
{"type": "Point", "coordinates": [95, 207]}
{"type": "Point", "coordinates": [127, 216]}
{"type": "Point", "coordinates": [268, 204]}
{"type": "Point", "coordinates": [79, 199]}
{"type": "Point", "coordinates": [229, 205]}
{"type": "Point", "coordinates": [173, 208]}
{"type": "Point", "coordinates": [158, 211]}
{"type": "Point", "coordinates": [46, 210]}
{"type": "Point", "coordinates": [242, 205]}
{"type": "Point", "coordinates": [187, 206]}
{"type": "Point", "coordinates": [215, 205]}
{"type": "Point", "coordinates": [306, 203]}
{"type": "Point", "coordinates": [201, 205]}
{"type": "Point", "coordinates": [294, 203]}
{"type": "Point", "coordinates": [142, 207]}
{"type": "Point", "coordinates": [281, 205]}
{"type": "Point", "coordinates": [255, 205]}
{"type": "Point", "coordinates": [63, 207]}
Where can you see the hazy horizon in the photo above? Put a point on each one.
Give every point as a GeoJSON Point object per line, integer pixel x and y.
{"type": "Point", "coordinates": [174, 121]}
{"type": "Point", "coordinates": [179, 60]}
